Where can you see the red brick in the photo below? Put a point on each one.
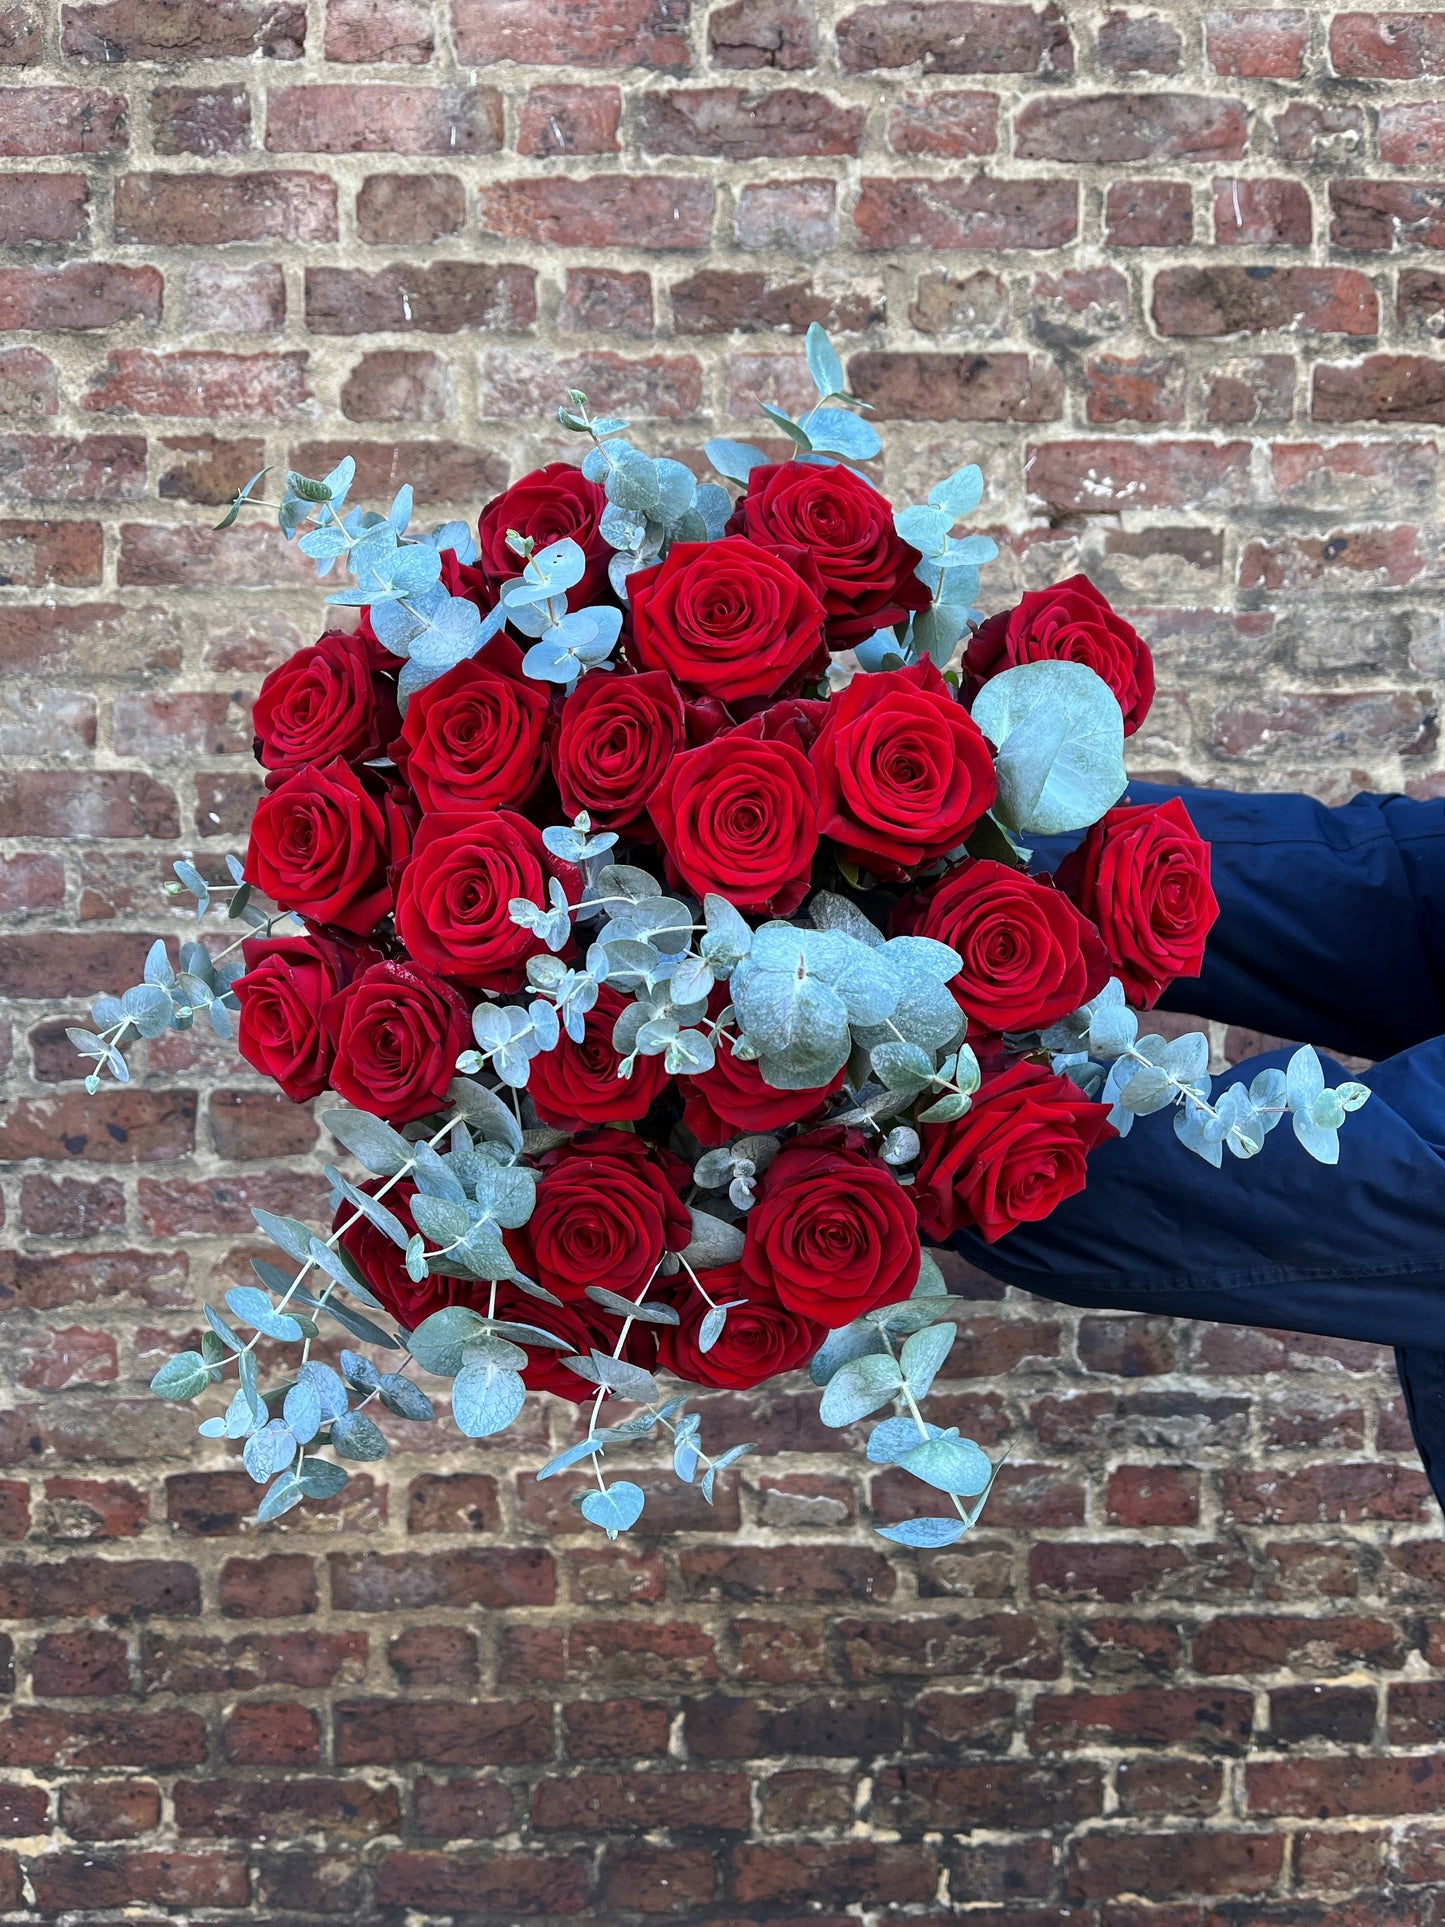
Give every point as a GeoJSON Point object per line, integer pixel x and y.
{"type": "Point", "coordinates": [1148, 389]}
{"type": "Point", "coordinates": [49, 1360]}
{"type": "Point", "coordinates": [200, 120]}
{"type": "Point", "coordinates": [79, 1665]}
{"type": "Point", "coordinates": [606, 1653]}
{"type": "Point", "coordinates": [212, 385]}
{"type": "Point", "coordinates": [279, 1586]}
{"type": "Point", "coordinates": [1381, 388]}
{"type": "Point", "coordinates": [1087, 129]}
{"type": "Point", "coordinates": [279, 1733]}
{"type": "Point", "coordinates": [1309, 133]}
{"type": "Point", "coordinates": [1268, 1644]}
{"type": "Point", "coordinates": [1153, 1495]}
{"type": "Point", "coordinates": [434, 1656]}
{"type": "Point", "coordinates": [1101, 477]}
{"type": "Point", "coordinates": [1344, 1715]}
{"type": "Point", "coordinates": [93, 1508]}
{"type": "Point", "coordinates": [394, 386]}
{"type": "Point", "coordinates": [39, 555]}
{"type": "Point", "coordinates": [28, 385]}
{"type": "Point", "coordinates": [168, 30]}
{"type": "Point", "coordinates": [391, 32]}
{"type": "Point", "coordinates": [840, 1874]}
{"type": "Point", "coordinates": [606, 33]}
{"type": "Point", "coordinates": [1387, 46]}
{"type": "Point", "coordinates": [1138, 44]}
{"type": "Point", "coordinates": [290, 1803]}
{"type": "Point", "coordinates": [36, 1736]}
{"type": "Point", "coordinates": [14, 1509]}
{"type": "Point", "coordinates": [372, 1582]}
{"type": "Point", "coordinates": [78, 296]}
{"type": "Point", "coordinates": [110, 1809]}
{"type": "Point", "coordinates": [163, 555]}
{"type": "Point", "coordinates": [59, 468]}
{"type": "Point", "coordinates": [1326, 1495]}
{"type": "Point", "coordinates": [21, 41]}
{"type": "Point", "coordinates": [100, 1588]}
{"type": "Point", "coordinates": [951, 126]}
{"type": "Point", "coordinates": [1265, 214]}
{"type": "Point", "coordinates": [384, 120]}
{"type": "Point", "coordinates": [438, 470]}
{"type": "Point", "coordinates": [616, 1729]}
{"type": "Point", "coordinates": [440, 1733]}
{"type": "Point", "coordinates": [1146, 1716]}
{"type": "Point", "coordinates": [977, 213]}
{"type": "Point", "coordinates": [229, 300]}
{"type": "Point", "coordinates": [1370, 558]}
{"type": "Point", "coordinates": [440, 299]}
{"type": "Point", "coordinates": [655, 1880]}
{"type": "Point", "coordinates": [189, 1663]}
{"type": "Point", "coordinates": [1227, 300]}
{"type": "Point", "coordinates": [202, 210]}
{"type": "Point", "coordinates": [61, 120]}
{"type": "Point", "coordinates": [1256, 44]}
{"type": "Point", "coordinates": [651, 212]}
{"type": "Point", "coordinates": [509, 1883]}
{"type": "Point", "coordinates": [733, 124]}
{"type": "Point", "coordinates": [1328, 1787]}
{"type": "Point", "coordinates": [637, 1801]}
{"type": "Point", "coordinates": [1148, 214]}
{"type": "Point", "coordinates": [1337, 725]}
{"type": "Point", "coordinates": [1386, 217]}
{"type": "Point", "coordinates": [667, 387]}
{"type": "Point", "coordinates": [462, 1809]}
{"type": "Point", "coordinates": [601, 300]}
{"type": "Point", "coordinates": [568, 120]}
{"type": "Point", "coordinates": [43, 209]}
{"type": "Point", "coordinates": [763, 33]}
{"type": "Point", "coordinates": [800, 216]}
{"type": "Point", "coordinates": [955, 37]}
{"type": "Point", "coordinates": [453, 1502]}
{"type": "Point", "coordinates": [1204, 1862]}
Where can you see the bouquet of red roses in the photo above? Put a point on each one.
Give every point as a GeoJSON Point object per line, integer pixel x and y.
{"type": "Point", "coordinates": [649, 881]}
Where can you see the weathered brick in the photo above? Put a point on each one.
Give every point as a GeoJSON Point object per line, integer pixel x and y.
{"type": "Point", "coordinates": [443, 298]}
{"type": "Point", "coordinates": [61, 120]}
{"type": "Point", "coordinates": [978, 213]}
{"type": "Point", "coordinates": [606, 33]}
{"type": "Point", "coordinates": [569, 121]}
{"type": "Point", "coordinates": [588, 1801]}
{"type": "Point", "coordinates": [1149, 214]}
{"type": "Point", "coordinates": [1103, 476]}
{"type": "Point", "coordinates": [799, 216]}
{"type": "Point", "coordinates": [80, 296]}
{"type": "Point", "coordinates": [1387, 46]}
{"type": "Point", "coordinates": [1262, 214]}
{"type": "Point", "coordinates": [384, 120]}
{"type": "Point", "coordinates": [110, 1809]}
{"type": "Point", "coordinates": [1129, 43]}
{"type": "Point", "coordinates": [200, 120]}
{"type": "Point", "coordinates": [610, 210]}
{"type": "Point", "coordinates": [215, 386]}
{"type": "Point", "coordinates": [731, 124]}
{"type": "Point", "coordinates": [781, 34]}
{"type": "Point", "coordinates": [956, 37]}
{"type": "Point", "coordinates": [43, 209]}
{"type": "Point", "coordinates": [207, 210]}
{"type": "Point", "coordinates": [394, 32]}
{"type": "Point", "coordinates": [1130, 127]}
{"type": "Point", "coordinates": [1230, 301]}
{"type": "Point", "coordinates": [512, 1883]}
{"type": "Point", "coordinates": [1212, 1862]}
{"type": "Point", "coordinates": [438, 1733]}
{"type": "Point", "coordinates": [1257, 43]}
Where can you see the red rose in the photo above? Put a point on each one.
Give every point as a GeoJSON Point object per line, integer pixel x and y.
{"type": "Point", "coordinates": [732, 1098]}
{"type": "Point", "coordinates": [279, 1030]}
{"type": "Point", "coordinates": [1030, 956]}
{"type": "Point", "coordinates": [318, 846]}
{"type": "Point", "coordinates": [397, 1034]}
{"type": "Point", "coordinates": [452, 897]}
{"type": "Point", "coordinates": [585, 1326]}
{"type": "Point", "coordinates": [550, 503]}
{"type": "Point", "coordinates": [476, 739]}
{"type": "Point", "coordinates": [325, 702]}
{"type": "Point", "coordinates": [760, 1339]}
{"type": "Point", "coordinates": [833, 1233]}
{"type": "Point", "coordinates": [1142, 874]}
{"type": "Point", "coordinates": [739, 816]}
{"type": "Point", "coordinates": [615, 740]}
{"type": "Point", "coordinates": [867, 570]}
{"type": "Point", "coordinates": [576, 1085]}
{"type": "Point", "coordinates": [726, 618]}
{"type": "Point", "coordinates": [1071, 622]}
{"type": "Point", "coordinates": [383, 1264]}
{"type": "Point", "coordinates": [1017, 1153]}
{"type": "Point", "coordinates": [608, 1206]}
{"type": "Point", "coordinates": [904, 772]}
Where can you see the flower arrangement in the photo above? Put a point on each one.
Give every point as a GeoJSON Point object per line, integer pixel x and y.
{"type": "Point", "coordinates": [647, 876]}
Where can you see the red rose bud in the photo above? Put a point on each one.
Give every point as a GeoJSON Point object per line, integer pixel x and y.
{"type": "Point", "coordinates": [615, 740]}
{"type": "Point", "coordinates": [732, 1098]}
{"type": "Point", "coordinates": [904, 772]}
{"type": "Point", "coordinates": [866, 569]}
{"type": "Point", "coordinates": [452, 897]}
{"type": "Point", "coordinates": [1071, 623]}
{"type": "Point", "coordinates": [739, 816]}
{"type": "Point", "coordinates": [577, 1085]}
{"type": "Point", "coordinates": [1142, 874]}
{"type": "Point", "coordinates": [1016, 1154]}
{"type": "Point", "coordinates": [551, 503]}
{"type": "Point", "coordinates": [833, 1232]}
{"type": "Point", "coordinates": [760, 1337]}
{"type": "Point", "coordinates": [383, 1264]}
{"type": "Point", "coordinates": [397, 1034]}
{"type": "Point", "coordinates": [279, 1031]}
{"type": "Point", "coordinates": [728, 619]}
{"type": "Point", "coordinates": [1030, 956]}
{"type": "Point", "coordinates": [476, 739]}
{"type": "Point", "coordinates": [609, 1206]}
{"type": "Point", "coordinates": [325, 702]}
{"type": "Point", "coordinates": [584, 1325]}
{"type": "Point", "coordinates": [318, 846]}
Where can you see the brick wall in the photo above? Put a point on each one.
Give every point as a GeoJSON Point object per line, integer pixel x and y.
{"type": "Point", "coordinates": [1171, 277]}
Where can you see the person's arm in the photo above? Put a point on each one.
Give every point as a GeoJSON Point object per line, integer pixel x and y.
{"type": "Point", "coordinates": [1354, 1250]}
{"type": "Point", "coordinates": [1332, 921]}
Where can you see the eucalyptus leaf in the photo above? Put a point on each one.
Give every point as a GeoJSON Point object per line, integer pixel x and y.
{"type": "Point", "coordinates": [1059, 732]}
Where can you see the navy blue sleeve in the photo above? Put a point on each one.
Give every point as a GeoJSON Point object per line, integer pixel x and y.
{"type": "Point", "coordinates": [1332, 921]}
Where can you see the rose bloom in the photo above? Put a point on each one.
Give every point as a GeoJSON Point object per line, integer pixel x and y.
{"type": "Point", "coordinates": [760, 1339]}
{"type": "Point", "coordinates": [328, 701]}
{"type": "Point", "coordinates": [476, 739]}
{"type": "Point", "coordinates": [318, 846]}
{"type": "Point", "coordinates": [615, 740]}
{"type": "Point", "coordinates": [383, 1264]}
{"type": "Point", "coordinates": [1142, 874]}
{"type": "Point", "coordinates": [576, 1085]}
{"type": "Point", "coordinates": [833, 1233]}
{"type": "Point", "coordinates": [584, 1325]}
{"type": "Point", "coordinates": [866, 568]}
{"type": "Point", "coordinates": [397, 1034]}
{"type": "Point", "coordinates": [732, 1098]}
{"type": "Point", "coordinates": [550, 503]}
{"type": "Point", "coordinates": [1030, 955]}
{"type": "Point", "coordinates": [609, 1205]}
{"type": "Point", "coordinates": [279, 1029]}
{"type": "Point", "coordinates": [452, 897]}
{"type": "Point", "coordinates": [904, 772]}
{"type": "Point", "coordinates": [1019, 1151]}
{"type": "Point", "coordinates": [739, 816]}
{"type": "Point", "coordinates": [728, 619]}
{"type": "Point", "coordinates": [1071, 622]}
